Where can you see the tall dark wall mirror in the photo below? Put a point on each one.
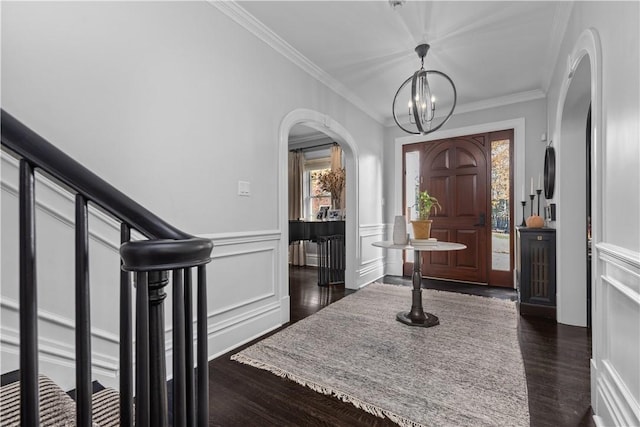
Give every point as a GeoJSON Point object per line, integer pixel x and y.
{"type": "Point", "coordinates": [549, 171]}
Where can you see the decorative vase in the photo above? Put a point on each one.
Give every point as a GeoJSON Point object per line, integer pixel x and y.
{"type": "Point", "coordinates": [535, 221]}
{"type": "Point", "coordinates": [421, 228]}
{"type": "Point", "coordinates": [335, 203]}
{"type": "Point", "coordinates": [400, 230]}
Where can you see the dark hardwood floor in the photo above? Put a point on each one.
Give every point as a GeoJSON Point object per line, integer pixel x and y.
{"type": "Point", "coordinates": [556, 360]}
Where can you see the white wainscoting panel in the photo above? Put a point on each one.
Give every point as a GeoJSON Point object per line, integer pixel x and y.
{"type": "Point", "coordinates": [245, 294]}
{"type": "Point", "coordinates": [615, 367]}
{"type": "Point", "coordinates": [372, 258]}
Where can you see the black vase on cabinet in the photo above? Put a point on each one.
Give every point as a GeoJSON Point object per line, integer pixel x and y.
{"type": "Point", "coordinates": [536, 271]}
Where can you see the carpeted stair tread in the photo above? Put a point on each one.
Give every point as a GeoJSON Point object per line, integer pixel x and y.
{"type": "Point", "coordinates": [56, 407]}
{"type": "Point", "coordinates": [106, 408]}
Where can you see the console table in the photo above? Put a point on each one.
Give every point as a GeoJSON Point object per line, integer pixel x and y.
{"type": "Point", "coordinates": [311, 230]}
{"type": "Point", "coordinates": [417, 316]}
{"type": "Point", "coordinates": [329, 236]}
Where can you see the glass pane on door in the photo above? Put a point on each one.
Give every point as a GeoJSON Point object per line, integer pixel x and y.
{"type": "Point", "coordinates": [500, 205]}
{"type": "Point", "coordinates": [412, 183]}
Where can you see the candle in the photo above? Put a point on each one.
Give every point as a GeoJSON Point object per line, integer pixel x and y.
{"type": "Point", "coordinates": [524, 196]}
{"type": "Point", "coordinates": [539, 182]}
{"type": "Point", "coordinates": [531, 186]}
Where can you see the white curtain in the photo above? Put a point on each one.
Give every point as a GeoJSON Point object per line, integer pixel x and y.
{"type": "Point", "coordinates": [297, 254]}
{"type": "Point", "coordinates": [336, 163]}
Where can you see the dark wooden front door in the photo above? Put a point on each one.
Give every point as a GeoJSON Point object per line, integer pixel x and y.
{"type": "Point", "coordinates": [455, 171]}
{"type": "Point", "coordinates": [460, 173]}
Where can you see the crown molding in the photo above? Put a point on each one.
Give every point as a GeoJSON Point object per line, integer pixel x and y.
{"type": "Point", "coordinates": [558, 30]}
{"type": "Point", "coordinates": [236, 12]}
{"type": "Point", "coordinates": [499, 101]}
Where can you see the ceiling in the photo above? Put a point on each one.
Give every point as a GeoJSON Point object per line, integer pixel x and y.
{"type": "Point", "coordinates": [496, 52]}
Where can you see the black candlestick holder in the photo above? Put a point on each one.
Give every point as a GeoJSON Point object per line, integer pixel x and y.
{"type": "Point", "coordinates": [532, 196]}
{"type": "Point", "coordinates": [538, 191]}
{"type": "Point", "coordinates": [524, 223]}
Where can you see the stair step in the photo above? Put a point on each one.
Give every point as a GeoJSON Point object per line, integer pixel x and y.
{"type": "Point", "coordinates": [106, 408]}
{"type": "Point", "coordinates": [56, 407]}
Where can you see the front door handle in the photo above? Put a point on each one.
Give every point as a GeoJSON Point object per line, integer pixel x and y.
{"type": "Point", "coordinates": [481, 221]}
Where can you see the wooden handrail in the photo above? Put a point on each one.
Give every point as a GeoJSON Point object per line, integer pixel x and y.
{"type": "Point", "coordinates": [43, 155]}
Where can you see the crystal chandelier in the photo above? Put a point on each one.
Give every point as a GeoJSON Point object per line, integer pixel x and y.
{"type": "Point", "coordinates": [421, 100]}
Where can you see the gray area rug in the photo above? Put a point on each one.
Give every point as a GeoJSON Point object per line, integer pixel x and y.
{"type": "Point", "coordinates": [467, 371]}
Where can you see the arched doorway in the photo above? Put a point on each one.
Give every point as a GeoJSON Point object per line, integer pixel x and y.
{"type": "Point", "coordinates": [579, 93]}
{"type": "Point", "coordinates": [338, 133]}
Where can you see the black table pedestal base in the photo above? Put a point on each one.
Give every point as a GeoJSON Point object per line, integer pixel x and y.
{"type": "Point", "coordinates": [417, 316]}
{"type": "Point", "coordinates": [430, 320]}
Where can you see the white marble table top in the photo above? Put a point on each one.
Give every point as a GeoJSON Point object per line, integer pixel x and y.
{"type": "Point", "coordinates": [438, 246]}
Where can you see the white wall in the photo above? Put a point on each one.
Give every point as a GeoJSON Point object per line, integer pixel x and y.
{"type": "Point", "coordinates": [605, 34]}
{"type": "Point", "coordinates": [174, 103]}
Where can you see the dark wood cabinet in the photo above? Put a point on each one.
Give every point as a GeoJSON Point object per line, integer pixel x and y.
{"type": "Point", "coordinates": [536, 271]}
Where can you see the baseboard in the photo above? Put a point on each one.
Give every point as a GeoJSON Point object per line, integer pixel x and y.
{"type": "Point", "coordinates": [311, 260]}
{"type": "Point", "coordinates": [371, 272]}
{"type": "Point", "coordinates": [615, 404]}
{"type": "Point", "coordinates": [537, 310]}
{"type": "Point", "coordinates": [598, 421]}
{"type": "Point", "coordinates": [230, 335]}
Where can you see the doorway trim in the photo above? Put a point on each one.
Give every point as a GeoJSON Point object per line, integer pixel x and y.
{"type": "Point", "coordinates": [325, 124]}
{"type": "Point", "coordinates": [518, 126]}
{"type": "Point", "coordinates": [571, 298]}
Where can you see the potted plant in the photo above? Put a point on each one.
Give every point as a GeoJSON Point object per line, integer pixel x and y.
{"type": "Point", "coordinates": [422, 226]}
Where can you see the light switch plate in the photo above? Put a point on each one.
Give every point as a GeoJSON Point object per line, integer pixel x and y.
{"type": "Point", "coordinates": [244, 188]}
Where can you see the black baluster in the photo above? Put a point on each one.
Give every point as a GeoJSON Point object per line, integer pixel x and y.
{"type": "Point", "coordinates": [329, 260]}
{"type": "Point", "coordinates": [203, 367]}
{"type": "Point", "coordinates": [142, 351]}
{"type": "Point", "coordinates": [179, 380]}
{"type": "Point", "coordinates": [188, 332]}
{"type": "Point", "coordinates": [334, 259]}
{"type": "Point", "coordinates": [342, 259]}
{"type": "Point", "coordinates": [28, 300]}
{"type": "Point", "coordinates": [157, 360]}
{"type": "Point", "coordinates": [83, 316]}
{"type": "Point", "coordinates": [126, 340]}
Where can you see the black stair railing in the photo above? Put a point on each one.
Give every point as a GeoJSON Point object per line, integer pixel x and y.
{"type": "Point", "coordinates": [167, 250]}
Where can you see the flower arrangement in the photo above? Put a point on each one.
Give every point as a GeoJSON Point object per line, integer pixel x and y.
{"type": "Point", "coordinates": [333, 182]}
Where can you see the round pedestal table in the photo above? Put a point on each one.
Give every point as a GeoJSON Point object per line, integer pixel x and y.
{"type": "Point", "coordinates": [417, 316]}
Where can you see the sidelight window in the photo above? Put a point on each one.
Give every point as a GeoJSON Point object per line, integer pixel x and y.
{"type": "Point", "coordinates": [500, 205]}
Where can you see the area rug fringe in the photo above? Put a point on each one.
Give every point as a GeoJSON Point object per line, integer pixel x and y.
{"type": "Point", "coordinates": [372, 409]}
